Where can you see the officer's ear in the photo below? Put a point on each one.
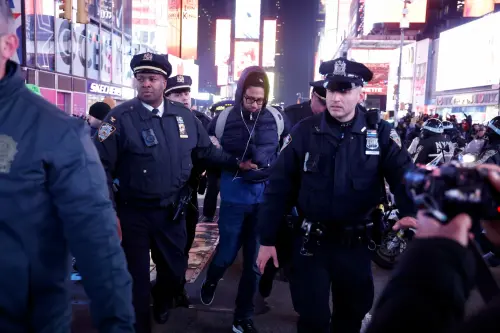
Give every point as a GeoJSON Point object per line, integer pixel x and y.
{"type": "Point", "coordinates": [164, 85]}
{"type": "Point", "coordinates": [361, 95]}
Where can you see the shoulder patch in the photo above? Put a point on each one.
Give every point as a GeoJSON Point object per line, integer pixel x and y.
{"type": "Point", "coordinates": [286, 142]}
{"type": "Point", "coordinates": [105, 131]}
{"type": "Point", "coordinates": [8, 151]}
{"type": "Point", "coordinates": [395, 137]}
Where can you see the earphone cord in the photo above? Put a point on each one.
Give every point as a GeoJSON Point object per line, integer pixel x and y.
{"type": "Point", "coordinates": [249, 138]}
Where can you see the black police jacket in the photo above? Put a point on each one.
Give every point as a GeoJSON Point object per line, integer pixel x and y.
{"type": "Point", "coordinates": [428, 293]}
{"type": "Point", "coordinates": [298, 112]}
{"type": "Point", "coordinates": [53, 201]}
{"type": "Point", "coordinates": [152, 157]}
{"type": "Point", "coordinates": [431, 147]}
{"type": "Point", "coordinates": [489, 154]}
{"type": "Point", "coordinates": [330, 180]}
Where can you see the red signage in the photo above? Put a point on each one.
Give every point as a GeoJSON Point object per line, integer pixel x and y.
{"type": "Point", "coordinates": [378, 85]}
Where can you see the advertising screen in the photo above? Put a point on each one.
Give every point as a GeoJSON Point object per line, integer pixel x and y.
{"type": "Point", "coordinates": [222, 42]}
{"type": "Point", "coordinates": [245, 54]}
{"type": "Point", "coordinates": [174, 27]}
{"type": "Point", "coordinates": [247, 19]}
{"type": "Point", "coordinates": [270, 77]}
{"type": "Point", "coordinates": [391, 11]}
{"type": "Point", "coordinates": [468, 55]}
{"type": "Point", "coordinates": [222, 75]}
{"type": "Point", "coordinates": [189, 31]}
{"type": "Point", "coordinates": [378, 85]}
{"type": "Point", "coordinates": [269, 43]}
{"type": "Point", "coordinates": [478, 8]}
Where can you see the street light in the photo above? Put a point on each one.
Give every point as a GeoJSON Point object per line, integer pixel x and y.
{"type": "Point", "coordinates": [404, 24]}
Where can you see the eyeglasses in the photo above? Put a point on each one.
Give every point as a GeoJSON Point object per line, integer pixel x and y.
{"type": "Point", "coordinates": [251, 100]}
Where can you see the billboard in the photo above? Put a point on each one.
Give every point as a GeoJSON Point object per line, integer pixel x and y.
{"type": "Point", "coordinates": [478, 8]}
{"type": "Point", "coordinates": [222, 42]}
{"type": "Point", "coordinates": [421, 70]}
{"type": "Point", "coordinates": [468, 55]}
{"type": "Point", "coordinates": [378, 85]}
{"type": "Point", "coordinates": [270, 77]}
{"type": "Point", "coordinates": [174, 27]}
{"type": "Point", "coordinates": [189, 33]}
{"type": "Point", "coordinates": [391, 11]}
{"type": "Point", "coordinates": [246, 54]}
{"type": "Point", "coordinates": [222, 75]}
{"type": "Point", "coordinates": [247, 19]}
{"type": "Point", "coordinates": [269, 43]}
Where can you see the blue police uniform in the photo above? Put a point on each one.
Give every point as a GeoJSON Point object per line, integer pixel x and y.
{"type": "Point", "coordinates": [297, 112]}
{"type": "Point", "coordinates": [53, 201]}
{"type": "Point", "coordinates": [152, 157]}
{"type": "Point", "coordinates": [331, 172]}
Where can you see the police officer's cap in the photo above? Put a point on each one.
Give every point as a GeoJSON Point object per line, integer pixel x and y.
{"type": "Point", "coordinates": [447, 125]}
{"type": "Point", "coordinates": [178, 82]}
{"type": "Point", "coordinates": [151, 63]}
{"type": "Point", "coordinates": [319, 89]}
{"type": "Point", "coordinates": [342, 74]}
{"type": "Point", "coordinates": [433, 125]}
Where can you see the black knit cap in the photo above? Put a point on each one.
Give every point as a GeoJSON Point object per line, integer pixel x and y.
{"type": "Point", "coordinates": [99, 110]}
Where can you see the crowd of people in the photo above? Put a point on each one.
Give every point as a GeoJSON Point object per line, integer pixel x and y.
{"type": "Point", "coordinates": [127, 193]}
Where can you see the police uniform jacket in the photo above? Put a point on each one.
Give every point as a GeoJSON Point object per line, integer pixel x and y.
{"type": "Point", "coordinates": [298, 112]}
{"type": "Point", "coordinates": [490, 154]}
{"type": "Point", "coordinates": [332, 180]}
{"type": "Point", "coordinates": [429, 148]}
{"type": "Point", "coordinates": [152, 157]}
{"type": "Point", "coordinates": [53, 201]}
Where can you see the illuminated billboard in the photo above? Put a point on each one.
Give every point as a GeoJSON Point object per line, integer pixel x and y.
{"type": "Point", "coordinates": [378, 85]}
{"type": "Point", "coordinates": [189, 49]}
{"type": "Point", "coordinates": [222, 42]}
{"type": "Point", "coordinates": [174, 27]}
{"type": "Point", "coordinates": [468, 55]}
{"type": "Point", "coordinates": [269, 43]}
{"type": "Point", "coordinates": [247, 19]}
{"type": "Point", "coordinates": [222, 75]}
{"type": "Point", "coordinates": [270, 77]}
{"type": "Point", "coordinates": [478, 8]}
{"type": "Point", "coordinates": [391, 11]}
{"type": "Point", "coordinates": [246, 54]}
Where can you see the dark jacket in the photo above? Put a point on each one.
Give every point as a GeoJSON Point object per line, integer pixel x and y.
{"type": "Point", "coordinates": [330, 178]}
{"type": "Point", "coordinates": [53, 201]}
{"type": "Point", "coordinates": [149, 155]}
{"type": "Point", "coordinates": [432, 146]}
{"type": "Point", "coordinates": [296, 113]}
{"type": "Point", "coordinates": [428, 291]}
{"type": "Point", "coordinates": [203, 118]}
{"type": "Point", "coordinates": [264, 145]}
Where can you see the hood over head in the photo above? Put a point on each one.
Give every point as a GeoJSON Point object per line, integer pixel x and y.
{"type": "Point", "coordinates": [248, 75]}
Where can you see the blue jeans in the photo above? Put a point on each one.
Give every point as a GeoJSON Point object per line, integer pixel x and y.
{"type": "Point", "coordinates": [237, 228]}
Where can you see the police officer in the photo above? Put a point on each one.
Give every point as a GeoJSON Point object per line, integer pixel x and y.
{"type": "Point", "coordinates": [317, 104]}
{"type": "Point", "coordinates": [453, 134]}
{"type": "Point", "coordinates": [490, 153]}
{"type": "Point", "coordinates": [333, 170]}
{"type": "Point", "coordinates": [147, 143]}
{"type": "Point", "coordinates": [179, 90]}
{"type": "Point", "coordinates": [433, 143]}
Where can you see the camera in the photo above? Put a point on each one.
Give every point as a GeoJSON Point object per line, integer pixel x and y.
{"type": "Point", "coordinates": [453, 190]}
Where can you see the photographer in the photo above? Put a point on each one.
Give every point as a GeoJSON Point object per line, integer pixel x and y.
{"type": "Point", "coordinates": [429, 289]}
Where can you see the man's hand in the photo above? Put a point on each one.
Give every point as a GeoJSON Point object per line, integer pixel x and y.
{"type": "Point", "coordinates": [248, 165]}
{"type": "Point", "coordinates": [266, 253]}
{"type": "Point", "coordinates": [119, 228]}
{"type": "Point", "coordinates": [405, 223]}
{"type": "Point", "coordinates": [492, 228]}
{"type": "Point", "coordinates": [457, 229]}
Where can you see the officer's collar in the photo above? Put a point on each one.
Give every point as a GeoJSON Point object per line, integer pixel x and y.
{"type": "Point", "coordinates": [12, 81]}
{"type": "Point", "coordinates": [145, 114]}
{"type": "Point", "coordinates": [358, 123]}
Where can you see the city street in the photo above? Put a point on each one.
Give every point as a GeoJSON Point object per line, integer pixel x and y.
{"type": "Point", "coordinates": [275, 316]}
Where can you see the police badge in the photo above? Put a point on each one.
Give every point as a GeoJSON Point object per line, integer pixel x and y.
{"type": "Point", "coordinates": [147, 57]}
{"type": "Point", "coordinates": [339, 68]}
{"type": "Point", "coordinates": [8, 151]}
{"type": "Point", "coordinates": [105, 131]}
{"type": "Point", "coordinates": [372, 146]}
{"type": "Point", "coordinates": [395, 137]}
{"type": "Point", "coordinates": [180, 78]}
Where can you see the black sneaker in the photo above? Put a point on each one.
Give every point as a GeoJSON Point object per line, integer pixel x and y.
{"type": "Point", "coordinates": [207, 292]}
{"type": "Point", "coordinates": [244, 326]}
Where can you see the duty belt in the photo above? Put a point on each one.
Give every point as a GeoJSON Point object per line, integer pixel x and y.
{"type": "Point", "coordinates": [314, 233]}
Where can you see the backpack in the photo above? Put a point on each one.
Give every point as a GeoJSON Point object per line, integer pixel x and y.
{"type": "Point", "coordinates": [221, 121]}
